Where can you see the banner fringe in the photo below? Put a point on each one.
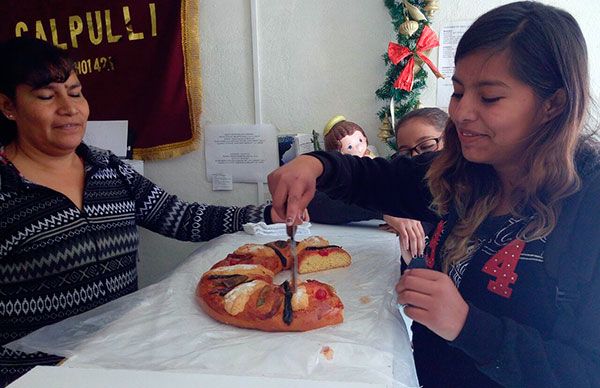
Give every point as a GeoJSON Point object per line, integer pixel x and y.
{"type": "Point", "coordinates": [166, 151]}
{"type": "Point", "coordinates": [190, 35]}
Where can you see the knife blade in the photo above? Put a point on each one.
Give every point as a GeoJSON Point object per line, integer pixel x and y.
{"type": "Point", "coordinates": [291, 232]}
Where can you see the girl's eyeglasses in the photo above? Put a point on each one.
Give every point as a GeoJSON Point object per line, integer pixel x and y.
{"type": "Point", "coordinates": [427, 145]}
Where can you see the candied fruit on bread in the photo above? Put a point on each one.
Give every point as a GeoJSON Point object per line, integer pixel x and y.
{"type": "Point", "coordinates": [239, 289]}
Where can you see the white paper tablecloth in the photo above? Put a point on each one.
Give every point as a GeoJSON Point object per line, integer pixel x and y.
{"type": "Point", "coordinates": [161, 327]}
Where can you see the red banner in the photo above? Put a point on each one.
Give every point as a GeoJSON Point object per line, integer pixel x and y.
{"type": "Point", "coordinates": [138, 60]}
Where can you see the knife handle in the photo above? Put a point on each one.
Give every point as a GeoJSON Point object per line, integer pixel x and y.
{"type": "Point", "coordinates": [291, 231]}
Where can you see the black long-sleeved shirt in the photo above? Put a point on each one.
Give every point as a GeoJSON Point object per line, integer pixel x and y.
{"type": "Point", "coordinates": [324, 210]}
{"type": "Point", "coordinates": [540, 326]}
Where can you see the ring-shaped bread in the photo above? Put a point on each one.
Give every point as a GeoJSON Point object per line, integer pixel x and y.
{"type": "Point", "coordinates": [239, 289]}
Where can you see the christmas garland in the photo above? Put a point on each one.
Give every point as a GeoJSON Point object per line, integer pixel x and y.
{"type": "Point", "coordinates": [407, 60]}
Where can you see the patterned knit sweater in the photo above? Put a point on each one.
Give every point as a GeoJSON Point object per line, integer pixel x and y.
{"type": "Point", "coordinates": [57, 261]}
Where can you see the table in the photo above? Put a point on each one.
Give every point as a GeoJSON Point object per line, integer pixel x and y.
{"type": "Point", "coordinates": [161, 328]}
{"type": "Point", "coordinates": [68, 377]}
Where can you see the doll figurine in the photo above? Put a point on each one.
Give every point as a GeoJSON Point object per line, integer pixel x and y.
{"type": "Point", "coordinates": [346, 137]}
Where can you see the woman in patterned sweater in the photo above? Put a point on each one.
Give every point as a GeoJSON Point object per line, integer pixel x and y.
{"type": "Point", "coordinates": [68, 212]}
{"type": "Point", "coordinates": [510, 295]}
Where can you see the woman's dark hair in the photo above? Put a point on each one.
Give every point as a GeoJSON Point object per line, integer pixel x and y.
{"type": "Point", "coordinates": [547, 51]}
{"type": "Point", "coordinates": [32, 62]}
{"type": "Point", "coordinates": [435, 117]}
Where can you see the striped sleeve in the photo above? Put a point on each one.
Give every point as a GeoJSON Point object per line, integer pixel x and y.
{"type": "Point", "coordinates": [166, 214]}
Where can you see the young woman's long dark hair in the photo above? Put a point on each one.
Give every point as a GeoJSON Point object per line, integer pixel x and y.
{"type": "Point", "coordinates": [548, 57]}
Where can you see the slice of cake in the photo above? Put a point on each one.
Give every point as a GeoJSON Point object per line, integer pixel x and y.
{"type": "Point", "coordinates": [317, 255]}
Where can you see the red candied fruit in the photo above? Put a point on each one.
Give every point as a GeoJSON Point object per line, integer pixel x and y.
{"type": "Point", "coordinates": [321, 294]}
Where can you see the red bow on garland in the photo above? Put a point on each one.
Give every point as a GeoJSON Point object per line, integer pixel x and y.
{"type": "Point", "coordinates": [396, 53]}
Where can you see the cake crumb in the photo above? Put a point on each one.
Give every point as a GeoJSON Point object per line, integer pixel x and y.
{"type": "Point", "coordinates": [327, 352]}
{"type": "Point", "coordinates": [365, 299]}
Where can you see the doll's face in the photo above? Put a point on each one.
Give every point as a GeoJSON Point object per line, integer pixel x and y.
{"type": "Point", "coordinates": [355, 144]}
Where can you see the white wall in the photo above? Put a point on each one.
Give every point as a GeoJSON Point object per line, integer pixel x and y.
{"type": "Point", "coordinates": [317, 59]}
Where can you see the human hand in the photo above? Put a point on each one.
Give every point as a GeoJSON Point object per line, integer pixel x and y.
{"type": "Point", "coordinates": [431, 298]}
{"type": "Point", "coordinates": [276, 219]}
{"type": "Point", "coordinates": [292, 186]}
{"type": "Point", "coordinates": [410, 233]}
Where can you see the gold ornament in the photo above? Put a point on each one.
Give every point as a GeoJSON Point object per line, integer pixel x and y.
{"type": "Point", "coordinates": [414, 11]}
{"type": "Point", "coordinates": [419, 62]}
{"type": "Point", "coordinates": [409, 27]}
{"type": "Point", "coordinates": [385, 130]}
{"type": "Point", "coordinates": [431, 7]}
